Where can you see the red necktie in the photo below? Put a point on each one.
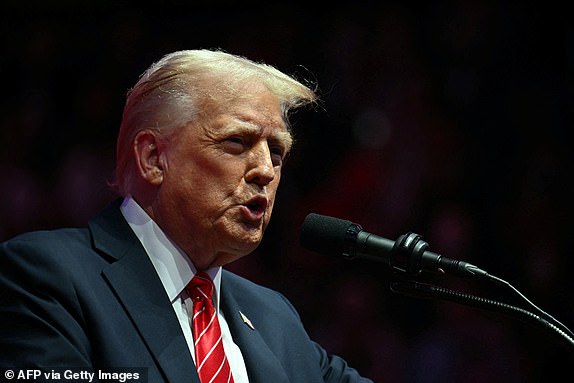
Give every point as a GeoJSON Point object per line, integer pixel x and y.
{"type": "Point", "coordinates": [210, 360]}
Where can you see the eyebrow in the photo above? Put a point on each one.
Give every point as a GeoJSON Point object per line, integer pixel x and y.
{"type": "Point", "coordinates": [282, 137]}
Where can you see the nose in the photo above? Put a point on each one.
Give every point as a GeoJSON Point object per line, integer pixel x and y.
{"type": "Point", "coordinates": [261, 170]}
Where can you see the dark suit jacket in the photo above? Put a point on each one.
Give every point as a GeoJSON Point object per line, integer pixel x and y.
{"type": "Point", "coordinates": [91, 298]}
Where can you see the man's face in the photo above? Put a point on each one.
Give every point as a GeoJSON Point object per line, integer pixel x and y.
{"type": "Point", "coordinates": [220, 178]}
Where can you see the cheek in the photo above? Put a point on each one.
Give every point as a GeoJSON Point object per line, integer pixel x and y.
{"type": "Point", "coordinates": [198, 173]}
{"type": "Point", "coordinates": [207, 192]}
{"type": "Point", "coordinates": [271, 192]}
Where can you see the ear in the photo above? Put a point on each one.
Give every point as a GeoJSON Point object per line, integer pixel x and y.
{"type": "Point", "coordinates": [146, 148]}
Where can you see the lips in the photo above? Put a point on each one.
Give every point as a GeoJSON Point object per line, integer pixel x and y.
{"type": "Point", "coordinates": [255, 208]}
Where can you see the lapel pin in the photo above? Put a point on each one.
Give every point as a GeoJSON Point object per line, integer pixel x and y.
{"type": "Point", "coordinates": [246, 321]}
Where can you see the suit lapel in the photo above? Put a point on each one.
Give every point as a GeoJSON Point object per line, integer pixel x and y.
{"type": "Point", "coordinates": [137, 286]}
{"type": "Point", "coordinates": [262, 365]}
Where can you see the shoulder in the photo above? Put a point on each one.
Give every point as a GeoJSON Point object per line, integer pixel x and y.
{"type": "Point", "coordinates": [34, 243]}
{"type": "Point", "coordinates": [41, 264]}
{"type": "Point", "coordinates": [56, 253]}
{"type": "Point", "coordinates": [67, 246]}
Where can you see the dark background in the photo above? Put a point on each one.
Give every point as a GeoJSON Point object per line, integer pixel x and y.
{"type": "Point", "coordinates": [448, 119]}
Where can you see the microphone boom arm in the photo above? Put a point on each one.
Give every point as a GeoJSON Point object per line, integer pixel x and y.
{"type": "Point", "coordinates": [426, 291]}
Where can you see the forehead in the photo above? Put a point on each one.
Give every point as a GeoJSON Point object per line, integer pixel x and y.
{"type": "Point", "coordinates": [254, 111]}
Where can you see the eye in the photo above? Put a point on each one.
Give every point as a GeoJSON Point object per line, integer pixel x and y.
{"type": "Point", "coordinates": [277, 154]}
{"type": "Point", "coordinates": [235, 144]}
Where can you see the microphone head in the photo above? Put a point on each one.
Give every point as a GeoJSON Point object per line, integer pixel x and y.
{"type": "Point", "coordinates": [328, 235]}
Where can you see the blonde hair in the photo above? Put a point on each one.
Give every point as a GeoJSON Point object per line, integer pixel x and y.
{"type": "Point", "coordinates": [173, 91]}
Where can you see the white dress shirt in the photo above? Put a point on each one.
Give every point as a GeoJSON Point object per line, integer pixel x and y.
{"type": "Point", "coordinates": [175, 270]}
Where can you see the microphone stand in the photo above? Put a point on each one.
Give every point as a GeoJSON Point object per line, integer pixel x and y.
{"type": "Point", "coordinates": [406, 259]}
{"type": "Point", "coordinates": [426, 291]}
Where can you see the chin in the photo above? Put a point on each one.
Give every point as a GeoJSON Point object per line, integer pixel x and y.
{"type": "Point", "coordinates": [242, 239]}
{"type": "Point", "coordinates": [247, 245]}
{"type": "Point", "coordinates": [233, 255]}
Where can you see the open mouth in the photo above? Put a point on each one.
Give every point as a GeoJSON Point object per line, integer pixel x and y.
{"type": "Point", "coordinates": [256, 207]}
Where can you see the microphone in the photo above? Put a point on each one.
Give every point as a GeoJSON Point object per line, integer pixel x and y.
{"type": "Point", "coordinates": [408, 254]}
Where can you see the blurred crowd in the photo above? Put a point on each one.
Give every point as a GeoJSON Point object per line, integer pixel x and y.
{"type": "Point", "coordinates": [448, 119]}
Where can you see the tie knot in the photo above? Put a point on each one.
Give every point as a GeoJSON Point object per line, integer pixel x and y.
{"type": "Point", "coordinates": [200, 287]}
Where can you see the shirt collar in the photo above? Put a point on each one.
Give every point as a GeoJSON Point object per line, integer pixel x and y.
{"type": "Point", "coordinates": [173, 266]}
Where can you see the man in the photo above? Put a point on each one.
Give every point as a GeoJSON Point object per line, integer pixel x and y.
{"type": "Point", "coordinates": [199, 154]}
